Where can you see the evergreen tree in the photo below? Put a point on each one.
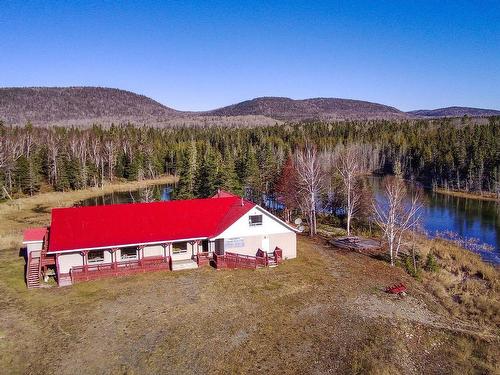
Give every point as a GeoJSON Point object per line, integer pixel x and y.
{"type": "Point", "coordinates": [228, 178]}
{"type": "Point", "coordinates": [268, 169]}
{"type": "Point", "coordinates": [27, 175]}
{"type": "Point", "coordinates": [187, 170]}
{"type": "Point", "coordinates": [74, 173]}
{"type": "Point", "coordinates": [63, 174]}
{"type": "Point", "coordinates": [460, 157]}
{"type": "Point", "coordinates": [22, 174]}
{"type": "Point", "coordinates": [251, 176]}
{"type": "Point", "coordinates": [134, 168]}
{"type": "Point", "coordinates": [208, 174]}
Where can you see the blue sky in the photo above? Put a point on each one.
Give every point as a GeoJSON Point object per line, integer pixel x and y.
{"type": "Point", "coordinates": [197, 55]}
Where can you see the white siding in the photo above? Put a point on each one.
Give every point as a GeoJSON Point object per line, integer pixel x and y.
{"type": "Point", "coordinates": [153, 251]}
{"type": "Point", "coordinates": [33, 246]}
{"type": "Point", "coordinates": [242, 228]}
{"type": "Point", "coordinates": [66, 261]}
{"type": "Point", "coordinates": [271, 231]}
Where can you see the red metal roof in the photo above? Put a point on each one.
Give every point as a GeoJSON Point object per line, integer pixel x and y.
{"type": "Point", "coordinates": [223, 194]}
{"type": "Point", "coordinates": [136, 223]}
{"type": "Point", "coordinates": [34, 234]}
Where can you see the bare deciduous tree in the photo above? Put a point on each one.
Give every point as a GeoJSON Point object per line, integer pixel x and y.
{"type": "Point", "coordinates": [53, 144]}
{"type": "Point", "coordinates": [147, 194]}
{"type": "Point", "coordinates": [349, 169]}
{"type": "Point", "coordinates": [110, 152]}
{"type": "Point", "coordinates": [310, 179]}
{"type": "Point", "coordinates": [98, 160]}
{"type": "Point", "coordinates": [397, 214]}
{"type": "Point", "coordinates": [11, 149]}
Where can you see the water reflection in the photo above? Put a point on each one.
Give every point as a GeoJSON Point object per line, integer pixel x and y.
{"type": "Point", "coordinates": [153, 193]}
{"type": "Point", "coordinates": [469, 218]}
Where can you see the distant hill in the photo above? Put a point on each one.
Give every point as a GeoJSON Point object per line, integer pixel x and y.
{"type": "Point", "coordinates": [77, 105]}
{"type": "Point", "coordinates": [287, 109]}
{"type": "Point", "coordinates": [455, 112]}
{"type": "Point", "coordinates": [83, 106]}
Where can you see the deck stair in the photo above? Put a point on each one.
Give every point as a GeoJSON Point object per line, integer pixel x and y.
{"type": "Point", "coordinates": [33, 270]}
{"type": "Point", "coordinates": [185, 264]}
{"type": "Point", "coordinates": [271, 260]}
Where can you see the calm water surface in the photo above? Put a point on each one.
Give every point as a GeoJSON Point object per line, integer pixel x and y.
{"type": "Point", "coordinates": [469, 218]}
{"type": "Point", "coordinates": [158, 193]}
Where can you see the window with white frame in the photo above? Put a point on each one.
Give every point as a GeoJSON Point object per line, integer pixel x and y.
{"type": "Point", "coordinates": [95, 256]}
{"type": "Point", "coordinates": [128, 253]}
{"type": "Point", "coordinates": [255, 220]}
{"type": "Point", "coordinates": [179, 247]}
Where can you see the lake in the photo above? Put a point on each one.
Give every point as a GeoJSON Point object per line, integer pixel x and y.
{"type": "Point", "coordinates": [158, 193]}
{"type": "Point", "coordinates": [468, 218]}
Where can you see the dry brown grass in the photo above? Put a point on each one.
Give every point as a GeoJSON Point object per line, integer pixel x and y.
{"type": "Point", "coordinates": [465, 285]}
{"type": "Point", "coordinates": [485, 196]}
{"type": "Point", "coordinates": [322, 312]}
{"type": "Point", "coordinates": [302, 317]}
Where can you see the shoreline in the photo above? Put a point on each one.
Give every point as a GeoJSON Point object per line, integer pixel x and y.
{"type": "Point", "coordinates": [21, 213]}
{"type": "Point", "coordinates": [456, 193]}
{"type": "Point", "coordinates": [462, 194]}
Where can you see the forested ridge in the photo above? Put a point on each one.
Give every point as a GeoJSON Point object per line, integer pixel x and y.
{"type": "Point", "coordinates": [244, 160]}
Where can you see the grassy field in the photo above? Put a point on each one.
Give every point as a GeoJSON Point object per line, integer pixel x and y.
{"type": "Point", "coordinates": [322, 312]}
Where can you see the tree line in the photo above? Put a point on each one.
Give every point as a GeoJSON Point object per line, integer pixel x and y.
{"type": "Point", "coordinates": [250, 161]}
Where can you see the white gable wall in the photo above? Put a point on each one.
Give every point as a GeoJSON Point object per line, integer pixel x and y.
{"type": "Point", "coordinates": [241, 227]}
{"type": "Point", "coordinates": [33, 246]}
{"type": "Point", "coordinates": [246, 238]}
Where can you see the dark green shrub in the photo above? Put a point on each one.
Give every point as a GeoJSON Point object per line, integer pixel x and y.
{"type": "Point", "coordinates": [431, 264]}
{"type": "Point", "coordinates": [409, 267]}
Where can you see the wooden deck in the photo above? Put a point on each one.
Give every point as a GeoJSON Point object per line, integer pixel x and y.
{"type": "Point", "coordinates": [97, 271]}
{"type": "Point", "coordinates": [228, 260]}
{"type": "Point", "coordinates": [233, 260]}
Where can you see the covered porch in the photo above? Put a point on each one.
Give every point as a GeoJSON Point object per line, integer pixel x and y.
{"type": "Point", "coordinates": [97, 271]}
{"type": "Point", "coordinates": [127, 260]}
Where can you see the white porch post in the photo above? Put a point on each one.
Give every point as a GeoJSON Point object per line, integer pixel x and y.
{"type": "Point", "coordinates": [58, 273]}
{"type": "Point", "coordinates": [114, 258]}
{"type": "Point", "coordinates": [165, 246]}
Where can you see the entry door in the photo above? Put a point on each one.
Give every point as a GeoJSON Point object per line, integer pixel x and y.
{"type": "Point", "coordinates": [265, 244]}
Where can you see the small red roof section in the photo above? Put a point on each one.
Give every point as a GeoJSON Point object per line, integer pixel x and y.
{"type": "Point", "coordinates": [138, 223]}
{"type": "Point", "coordinates": [224, 194]}
{"type": "Point", "coordinates": [34, 234]}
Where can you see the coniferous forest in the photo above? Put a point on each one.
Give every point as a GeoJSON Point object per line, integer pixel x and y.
{"type": "Point", "coordinates": [251, 161]}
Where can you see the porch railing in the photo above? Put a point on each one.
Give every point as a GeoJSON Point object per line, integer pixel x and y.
{"type": "Point", "coordinates": [97, 271]}
{"type": "Point", "coordinates": [278, 255]}
{"type": "Point", "coordinates": [203, 258]}
{"type": "Point", "coordinates": [233, 260]}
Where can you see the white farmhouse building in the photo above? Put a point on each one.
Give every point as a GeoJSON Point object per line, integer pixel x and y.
{"type": "Point", "coordinates": [226, 231]}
